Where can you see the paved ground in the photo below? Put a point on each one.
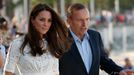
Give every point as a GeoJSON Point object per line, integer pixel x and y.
{"type": "Point", "coordinates": [119, 56]}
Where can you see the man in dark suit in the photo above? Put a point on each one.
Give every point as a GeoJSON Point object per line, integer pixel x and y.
{"type": "Point", "coordinates": [86, 54]}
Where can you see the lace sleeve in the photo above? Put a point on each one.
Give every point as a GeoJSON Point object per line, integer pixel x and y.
{"type": "Point", "coordinates": [12, 56]}
{"type": "Point", "coordinates": [56, 67]}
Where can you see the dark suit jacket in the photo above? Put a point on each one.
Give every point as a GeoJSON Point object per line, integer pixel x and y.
{"type": "Point", "coordinates": [71, 62]}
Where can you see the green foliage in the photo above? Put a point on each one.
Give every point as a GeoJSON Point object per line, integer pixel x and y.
{"type": "Point", "coordinates": [110, 4]}
{"type": "Point", "coordinates": [126, 5]}
{"type": "Point", "coordinates": [49, 2]}
{"type": "Point", "coordinates": [83, 1]}
{"type": "Point", "coordinates": [10, 6]}
{"type": "Point", "coordinates": [102, 4]}
{"type": "Point", "coordinates": [99, 4]}
{"type": "Point", "coordinates": [77, 1]}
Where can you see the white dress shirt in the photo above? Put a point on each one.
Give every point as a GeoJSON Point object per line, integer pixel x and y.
{"type": "Point", "coordinates": [84, 49]}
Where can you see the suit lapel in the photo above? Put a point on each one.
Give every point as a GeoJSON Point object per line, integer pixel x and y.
{"type": "Point", "coordinates": [77, 57]}
{"type": "Point", "coordinates": [93, 53]}
{"type": "Point", "coordinates": [92, 42]}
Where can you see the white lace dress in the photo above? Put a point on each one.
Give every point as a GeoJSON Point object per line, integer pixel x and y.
{"type": "Point", "coordinates": [26, 64]}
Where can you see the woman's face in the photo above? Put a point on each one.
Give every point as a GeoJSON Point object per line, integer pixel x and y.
{"type": "Point", "coordinates": [42, 22]}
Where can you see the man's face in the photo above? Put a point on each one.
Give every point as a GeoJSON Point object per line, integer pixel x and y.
{"type": "Point", "coordinates": [79, 22]}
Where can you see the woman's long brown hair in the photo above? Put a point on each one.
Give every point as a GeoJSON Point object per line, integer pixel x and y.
{"type": "Point", "coordinates": [57, 36]}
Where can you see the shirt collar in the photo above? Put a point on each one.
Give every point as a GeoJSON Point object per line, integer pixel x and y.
{"type": "Point", "coordinates": [86, 36]}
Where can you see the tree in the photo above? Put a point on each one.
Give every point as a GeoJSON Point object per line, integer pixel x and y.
{"type": "Point", "coordinates": [126, 5]}
{"type": "Point", "coordinates": [10, 6]}
{"type": "Point", "coordinates": [1, 4]}
{"type": "Point", "coordinates": [101, 4]}
{"type": "Point", "coordinates": [49, 2]}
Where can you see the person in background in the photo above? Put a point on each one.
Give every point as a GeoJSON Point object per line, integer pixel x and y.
{"type": "Point", "coordinates": [3, 24]}
{"type": "Point", "coordinates": [87, 53]}
{"type": "Point", "coordinates": [4, 32]}
{"type": "Point", "coordinates": [1, 64]}
{"type": "Point", "coordinates": [128, 64]}
{"type": "Point", "coordinates": [37, 52]}
{"type": "Point", "coordinates": [13, 31]}
{"type": "Point", "coordinates": [2, 54]}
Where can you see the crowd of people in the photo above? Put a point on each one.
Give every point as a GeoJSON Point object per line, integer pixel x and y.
{"type": "Point", "coordinates": [51, 48]}
{"type": "Point", "coordinates": [105, 16]}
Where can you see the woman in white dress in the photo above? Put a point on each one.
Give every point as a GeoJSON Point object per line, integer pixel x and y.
{"type": "Point", "coordinates": [37, 52]}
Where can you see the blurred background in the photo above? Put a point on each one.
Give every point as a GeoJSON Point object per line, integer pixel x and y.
{"type": "Point", "coordinates": [114, 19]}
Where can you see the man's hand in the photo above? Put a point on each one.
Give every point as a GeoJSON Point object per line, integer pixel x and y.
{"type": "Point", "coordinates": [126, 72]}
